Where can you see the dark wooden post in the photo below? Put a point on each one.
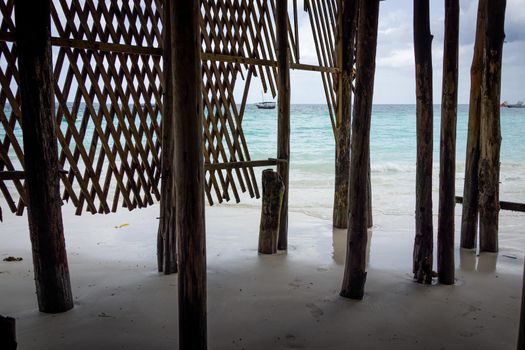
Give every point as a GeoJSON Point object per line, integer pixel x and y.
{"type": "Point", "coordinates": [345, 61]}
{"type": "Point", "coordinates": [189, 173]}
{"type": "Point", "coordinates": [272, 199]}
{"type": "Point", "coordinates": [166, 238]}
{"type": "Point", "coordinates": [355, 265]}
{"type": "Point", "coordinates": [283, 117]}
{"type": "Point", "coordinates": [33, 42]}
{"type": "Point", "coordinates": [423, 243]}
{"type": "Point", "coordinates": [8, 333]}
{"type": "Point", "coordinates": [521, 330]}
{"type": "Point", "coordinates": [447, 171]}
{"type": "Point", "coordinates": [469, 216]}
{"type": "Point", "coordinates": [490, 132]}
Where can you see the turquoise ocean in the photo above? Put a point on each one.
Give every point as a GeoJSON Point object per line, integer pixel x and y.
{"type": "Point", "coordinates": [393, 155]}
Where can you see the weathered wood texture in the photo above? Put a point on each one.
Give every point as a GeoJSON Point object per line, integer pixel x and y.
{"type": "Point", "coordinates": [447, 170]}
{"type": "Point", "coordinates": [283, 116]}
{"type": "Point", "coordinates": [41, 156]}
{"type": "Point", "coordinates": [423, 243]}
{"type": "Point", "coordinates": [166, 240]}
{"type": "Point", "coordinates": [345, 60]}
{"type": "Point", "coordinates": [521, 329]}
{"type": "Point", "coordinates": [503, 205]}
{"type": "Point", "coordinates": [8, 333]}
{"type": "Point", "coordinates": [490, 132]}
{"type": "Point", "coordinates": [189, 174]}
{"type": "Point", "coordinates": [272, 199]}
{"type": "Point", "coordinates": [355, 266]}
{"type": "Point", "coordinates": [469, 216]}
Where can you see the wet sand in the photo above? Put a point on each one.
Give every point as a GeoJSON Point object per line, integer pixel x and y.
{"type": "Point", "coordinates": [285, 301]}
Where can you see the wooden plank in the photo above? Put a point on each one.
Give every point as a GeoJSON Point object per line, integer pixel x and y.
{"type": "Point", "coordinates": [355, 266]}
{"type": "Point", "coordinates": [106, 47]}
{"type": "Point", "coordinates": [423, 243]}
{"type": "Point", "coordinates": [504, 205]}
{"type": "Point", "coordinates": [447, 172]}
{"type": "Point", "coordinates": [283, 114]}
{"type": "Point", "coordinates": [189, 173]}
{"type": "Point", "coordinates": [244, 164]}
{"type": "Point", "coordinates": [41, 156]}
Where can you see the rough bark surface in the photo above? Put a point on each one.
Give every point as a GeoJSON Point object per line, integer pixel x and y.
{"type": "Point", "coordinates": [423, 243]}
{"type": "Point", "coordinates": [345, 61]}
{"type": "Point", "coordinates": [189, 174]}
{"type": "Point", "coordinates": [166, 241]}
{"type": "Point", "coordinates": [355, 266]}
{"type": "Point", "coordinates": [469, 217]}
{"type": "Point", "coordinates": [490, 132]}
{"type": "Point", "coordinates": [33, 32]}
{"type": "Point", "coordinates": [447, 170]}
{"type": "Point", "coordinates": [283, 117]}
{"type": "Point", "coordinates": [272, 199]}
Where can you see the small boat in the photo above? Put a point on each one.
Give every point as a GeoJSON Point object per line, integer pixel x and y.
{"type": "Point", "coordinates": [518, 104]}
{"type": "Point", "coordinates": [265, 105]}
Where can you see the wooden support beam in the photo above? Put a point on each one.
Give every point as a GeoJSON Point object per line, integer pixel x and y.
{"type": "Point", "coordinates": [189, 173]}
{"type": "Point", "coordinates": [447, 171]}
{"type": "Point", "coordinates": [166, 236]}
{"type": "Point", "coordinates": [238, 165]}
{"type": "Point", "coordinates": [283, 116]}
{"type": "Point", "coordinates": [272, 199]}
{"type": "Point", "coordinates": [355, 266]}
{"type": "Point", "coordinates": [106, 47]}
{"type": "Point", "coordinates": [469, 217]}
{"type": "Point", "coordinates": [8, 333]}
{"type": "Point", "coordinates": [521, 330]}
{"type": "Point", "coordinates": [423, 243]}
{"type": "Point", "coordinates": [345, 61]}
{"type": "Point", "coordinates": [503, 205]}
{"type": "Point", "coordinates": [41, 156]}
{"type": "Point", "coordinates": [490, 132]}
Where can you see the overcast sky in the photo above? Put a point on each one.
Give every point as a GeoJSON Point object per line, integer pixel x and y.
{"type": "Point", "coordinates": [394, 82]}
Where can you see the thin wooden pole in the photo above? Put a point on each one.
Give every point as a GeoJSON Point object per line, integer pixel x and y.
{"type": "Point", "coordinates": [189, 173]}
{"type": "Point", "coordinates": [283, 117]}
{"type": "Point", "coordinates": [166, 240]}
{"type": "Point", "coordinates": [33, 32]}
{"type": "Point", "coordinates": [490, 132]}
{"type": "Point", "coordinates": [345, 62]}
{"type": "Point", "coordinates": [423, 243]}
{"type": "Point", "coordinates": [521, 330]}
{"type": "Point", "coordinates": [469, 217]}
{"type": "Point", "coordinates": [447, 172]}
{"type": "Point", "coordinates": [355, 267]}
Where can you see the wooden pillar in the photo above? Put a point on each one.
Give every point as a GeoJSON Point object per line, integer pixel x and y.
{"type": "Point", "coordinates": [283, 116]}
{"type": "Point", "coordinates": [423, 243]}
{"type": "Point", "coordinates": [521, 330]}
{"type": "Point", "coordinates": [189, 173]}
{"type": "Point", "coordinates": [447, 170]}
{"type": "Point", "coordinates": [490, 132]}
{"type": "Point", "coordinates": [355, 265]}
{"type": "Point", "coordinates": [33, 43]}
{"type": "Point", "coordinates": [469, 216]}
{"type": "Point", "coordinates": [345, 62]}
{"type": "Point", "coordinates": [166, 237]}
{"type": "Point", "coordinates": [8, 333]}
{"type": "Point", "coordinates": [272, 199]}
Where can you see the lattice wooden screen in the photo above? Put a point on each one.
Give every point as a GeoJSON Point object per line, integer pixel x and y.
{"type": "Point", "coordinates": [108, 86]}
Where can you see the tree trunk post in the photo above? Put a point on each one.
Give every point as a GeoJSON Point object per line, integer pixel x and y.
{"type": "Point", "coordinates": [166, 240]}
{"type": "Point", "coordinates": [272, 199]}
{"type": "Point", "coordinates": [469, 216]}
{"type": "Point", "coordinates": [8, 333]}
{"type": "Point", "coordinates": [355, 266]}
{"type": "Point", "coordinates": [447, 172]}
{"type": "Point", "coordinates": [423, 243]}
{"type": "Point", "coordinates": [283, 117]}
{"type": "Point", "coordinates": [521, 330]}
{"type": "Point", "coordinates": [33, 32]}
{"type": "Point", "coordinates": [490, 132]}
{"type": "Point", "coordinates": [189, 173]}
{"type": "Point", "coordinates": [345, 61]}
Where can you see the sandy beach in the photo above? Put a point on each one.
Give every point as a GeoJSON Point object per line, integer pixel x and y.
{"type": "Point", "coordinates": [289, 300]}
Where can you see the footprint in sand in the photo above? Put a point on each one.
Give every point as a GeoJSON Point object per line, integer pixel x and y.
{"type": "Point", "coordinates": [315, 310]}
